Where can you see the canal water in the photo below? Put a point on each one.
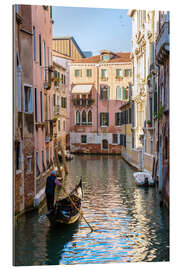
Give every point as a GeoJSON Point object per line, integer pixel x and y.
{"type": "Point", "coordinates": [130, 224]}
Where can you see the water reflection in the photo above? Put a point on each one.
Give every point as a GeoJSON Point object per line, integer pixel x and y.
{"type": "Point", "coordinates": [131, 227]}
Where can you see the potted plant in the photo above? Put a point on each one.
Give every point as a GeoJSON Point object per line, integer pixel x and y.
{"type": "Point", "coordinates": [149, 123]}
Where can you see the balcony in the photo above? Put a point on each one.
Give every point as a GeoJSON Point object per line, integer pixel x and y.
{"type": "Point", "coordinates": [83, 102]}
{"type": "Point", "coordinates": [119, 78]}
{"type": "Point", "coordinates": [162, 43]}
{"type": "Point", "coordinates": [57, 109]}
{"type": "Point", "coordinates": [48, 71]}
{"type": "Point", "coordinates": [104, 78]}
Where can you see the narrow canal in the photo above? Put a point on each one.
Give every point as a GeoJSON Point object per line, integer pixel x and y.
{"type": "Point", "coordinates": [131, 226]}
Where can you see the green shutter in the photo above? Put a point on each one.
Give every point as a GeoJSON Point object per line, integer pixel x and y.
{"type": "Point", "coordinates": [107, 116]}
{"type": "Point", "coordinates": [124, 93]}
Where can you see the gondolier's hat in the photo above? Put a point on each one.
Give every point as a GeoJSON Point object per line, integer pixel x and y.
{"type": "Point", "coordinates": [53, 173]}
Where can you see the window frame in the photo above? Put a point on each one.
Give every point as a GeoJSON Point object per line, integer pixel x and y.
{"type": "Point", "coordinates": [89, 70]}
{"type": "Point", "coordinates": [114, 135]}
{"type": "Point", "coordinates": [84, 136]}
{"type": "Point", "coordinates": [75, 73]}
{"type": "Point", "coordinates": [30, 101]}
{"type": "Point", "coordinates": [107, 120]}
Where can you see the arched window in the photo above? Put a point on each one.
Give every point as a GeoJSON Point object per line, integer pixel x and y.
{"type": "Point", "coordinates": [84, 118]}
{"type": "Point", "coordinates": [90, 118]}
{"type": "Point", "coordinates": [78, 118]}
{"type": "Point", "coordinates": [105, 144]}
{"type": "Point", "coordinates": [118, 93]}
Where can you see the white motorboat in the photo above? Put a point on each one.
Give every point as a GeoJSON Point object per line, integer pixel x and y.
{"type": "Point", "coordinates": [143, 179]}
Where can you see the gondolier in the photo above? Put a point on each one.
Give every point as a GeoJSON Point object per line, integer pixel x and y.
{"type": "Point", "coordinates": [51, 182]}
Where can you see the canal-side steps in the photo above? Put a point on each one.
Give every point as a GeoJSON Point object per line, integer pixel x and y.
{"type": "Point", "coordinates": [143, 179]}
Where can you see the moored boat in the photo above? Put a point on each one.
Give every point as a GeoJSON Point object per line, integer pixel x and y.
{"type": "Point", "coordinates": [143, 179]}
{"type": "Point", "coordinates": [67, 210]}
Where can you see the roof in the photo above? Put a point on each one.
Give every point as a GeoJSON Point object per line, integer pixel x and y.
{"type": "Point", "coordinates": [73, 40]}
{"type": "Point", "coordinates": [117, 58]}
{"type": "Point", "coordinates": [82, 88]}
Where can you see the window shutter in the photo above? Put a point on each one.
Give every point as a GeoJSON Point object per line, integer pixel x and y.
{"type": "Point", "coordinates": [30, 101]}
{"type": "Point", "coordinates": [132, 114]}
{"type": "Point", "coordinates": [121, 139]}
{"type": "Point", "coordinates": [118, 93]}
{"type": "Point", "coordinates": [124, 93]}
{"type": "Point", "coordinates": [101, 93]}
{"type": "Point", "coordinates": [116, 119]}
{"type": "Point", "coordinates": [107, 116]}
{"type": "Point", "coordinates": [18, 76]}
{"type": "Point", "coordinates": [101, 119]}
{"type": "Point", "coordinates": [108, 92]}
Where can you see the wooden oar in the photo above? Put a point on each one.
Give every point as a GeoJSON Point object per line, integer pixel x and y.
{"type": "Point", "coordinates": [60, 174]}
{"type": "Point", "coordinates": [80, 212]}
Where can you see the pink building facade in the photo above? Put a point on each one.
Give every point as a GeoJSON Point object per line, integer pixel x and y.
{"type": "Point", "coordinates": [99, 86]}
{"type": "Point", "coordinates": [43, 97]}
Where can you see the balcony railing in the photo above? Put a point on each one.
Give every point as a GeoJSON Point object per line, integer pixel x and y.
{"type": "Point", "coordinates": [162, 43]}
{"type": "Point", "coordinates": [82, 102]}
{"type": "Point", "coordinates": [48, 71]}
{"type": "Point", "coordinates": [104, 78]}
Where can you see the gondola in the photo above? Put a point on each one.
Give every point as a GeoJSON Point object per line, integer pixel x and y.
{"type": "Point", "coordinates": [67, 210]}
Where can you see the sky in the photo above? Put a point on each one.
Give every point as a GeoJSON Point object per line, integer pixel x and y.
{"type": "Point", "coordinates": [94, 29]}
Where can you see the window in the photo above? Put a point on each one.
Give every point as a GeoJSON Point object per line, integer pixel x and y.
{"type": "Point", "coordinates": [37, 164]}
{"type": "Point", "coordinates": [18, 79]}
{"type": "Point", "coordinates": [78, 118]}
{"type": "Point", "coordinates": [124, 94]}
{"type": "Point", "coordinates": [44, 54]}
{"type": "Point", "coordinates": [35, 101]}
{"type": "Point", "coordinates": [47, 157]}
{"type": "Point", "coordinates": [78, 73]}
{"type": "Point", "coordinates": [59, 125]}
{"type": "Point", "coordinates": [114, 138]}
{"type": "Point", "coordinates": [41, 105]}
{"type": "Point", "coordinates": [105, 144]}
{"type": "Point", "coordinates": [89, 72]}
{"type": "Point", "coordinates": [104, 119]}
{"type": "Point", "coordinates": [63, 102]}
{"type": "Point", "coordinates": [29, 164]}
{"type": "Point", "coordinates": [83, 138]}
{"type": "Point", "coordinates": [118, 73]}
{"type": "Point", "coordinates": [123, 140]}
{"type": "Point", "coordinates": [64, 125]}
{"type": "Point", "coordinates": [127, 72]}
{"type": "Point", "coordinates": [34, 42]}
{"type": "Point", "coordinates": [105, 57]}
{"type": "Point", "coordinates": [28, 103]}
{"type": "Point", "coordinates": [83, 118]}
{"type": "Point", "coordinates": [40, 56]}
{"type": "Point", "coordinates": [90, 118]}
{"type": "Point", "coordinates": [43, 166]}
{"type": "Point", "coordinates": [104, 92]}
{"type": "Point", "coordinates": [18, 155]}
{"type": "Point", "coordinates": [117, 119]}
{"type": "Point", "coordinates": [118, 93]}
{"type": "Point", "coordinates": [104, 73]}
